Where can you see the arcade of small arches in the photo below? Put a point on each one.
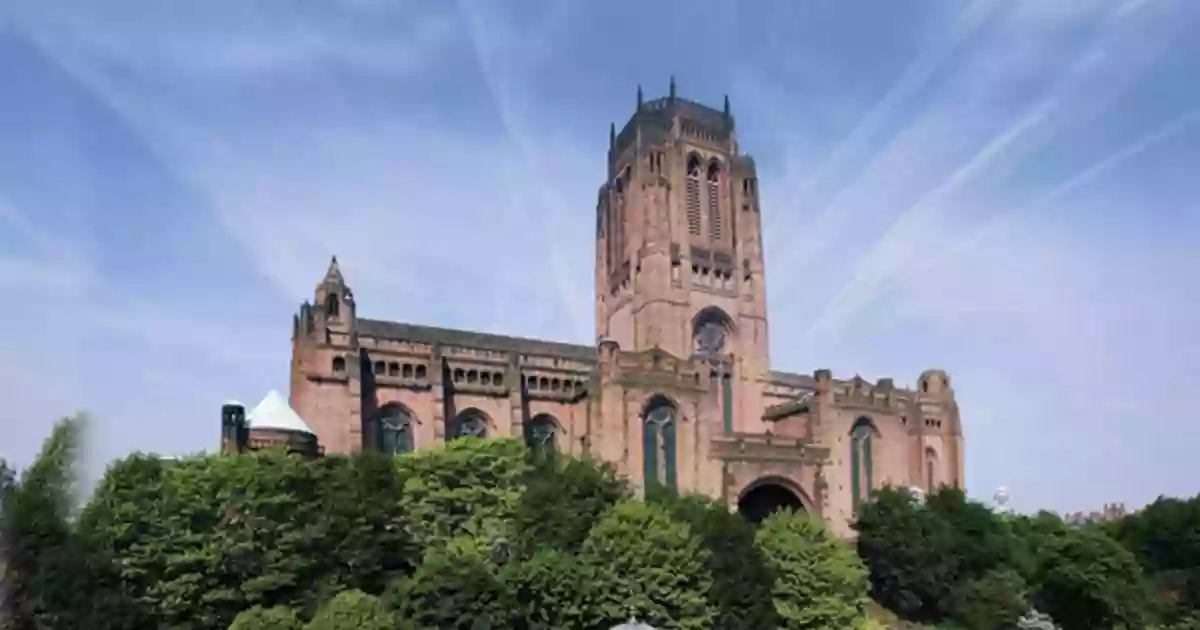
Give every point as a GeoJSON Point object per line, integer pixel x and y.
{"type": "Point", "coordinates": [395, 427]}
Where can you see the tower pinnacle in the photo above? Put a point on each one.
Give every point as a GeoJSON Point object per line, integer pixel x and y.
{"type": "Point", "coordinates": [334, 273]}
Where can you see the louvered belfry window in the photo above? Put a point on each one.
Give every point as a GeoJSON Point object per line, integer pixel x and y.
{"type": "Point", "coordinates": [693, 196]}
{"type": "Point", "coordinates": [714, 210]}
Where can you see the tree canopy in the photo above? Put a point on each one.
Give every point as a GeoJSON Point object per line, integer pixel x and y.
{"type": "Point", "coordinates": [483, 534]}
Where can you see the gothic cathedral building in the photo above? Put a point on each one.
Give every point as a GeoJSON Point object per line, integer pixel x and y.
{"type": "Point", "coordinates": [677, 391]}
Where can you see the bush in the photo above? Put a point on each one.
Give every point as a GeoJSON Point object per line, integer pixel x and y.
{"type": "Point", "coordinates": [459, 489]}
{"type": "Point", "coordinates": [742, 581]}
{"type": "Point", "coordinates": [553, 590]}
{"type": "Point", "coordinates": [259, 618]}
{"type": "Point", "coordinates": [654, 568]}
{"type": "Point", "coordinates": [819, 582]}
{"type": "Point", "coordinates": [352, 610]}
{"type": "Point", "coordinates": [457, 585]}
{"type": "Point", "coordinates": [562, 499]}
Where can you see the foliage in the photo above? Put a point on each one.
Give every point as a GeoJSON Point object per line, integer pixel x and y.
{"type": "Point", "coordinates": [353, 610]}
{"type": "Point", "coordinates": [194, 541]}
{"type": "Point", "coordinates": [553, 590]}
{"type": "Point", "coordinates": [259, 618]}
{"type": "Point", "coordinates": [45, 571]}
{"type": "Point", "coordinates": [1165, 538]}
{"type": "Point", "coordinates": [480, 534]}
{"type": "Point", "coordinates": [903, 544]}
{"type": "Point", "coordinates": [742, 581]}
{"type": "Point", "coordinates": [655, 568]}
{"type": "Point", "coordinates": [367, 529]}
{"type": "Point", "coordinates": [997, 599]}
{"type": "Point", "coordinates": [563, 498]}
{"type": "Point", "coordinates": [470, 485]}
{"type": "Point", "coordinates": [457, 584]}
{"type": "Point", "coordinates": [820, 583]}
{"type": "Point", "coordinates": [1085, 579]}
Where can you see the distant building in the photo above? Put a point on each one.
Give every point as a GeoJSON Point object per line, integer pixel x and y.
{"type": "Point", "coordinates": [677, 390]}
{"type": "Point", "coordinates": [1109, 512]}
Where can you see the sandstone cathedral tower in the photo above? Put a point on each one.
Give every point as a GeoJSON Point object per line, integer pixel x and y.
{"type": "Point", "coordinates": [677, 391]}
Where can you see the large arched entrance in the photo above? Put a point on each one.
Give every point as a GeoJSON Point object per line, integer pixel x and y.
{"type": "Point", "coordinates": [763, 498]}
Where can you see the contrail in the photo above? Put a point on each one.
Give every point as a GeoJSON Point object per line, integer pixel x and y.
{"type": "Point", "coordinates": [883, 263]}
{"type": "Point", "coordinates": [1131, 150]}
{"type": "Point", "coordinates": [911, 80]}
{"type": "Point", "coordinates": [567, 293]}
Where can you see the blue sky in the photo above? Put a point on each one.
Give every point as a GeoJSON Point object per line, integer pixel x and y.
{"type": "Point", "coordinates": [1007, 189]}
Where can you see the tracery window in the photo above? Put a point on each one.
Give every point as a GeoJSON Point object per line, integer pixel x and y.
{"type": "Point", "coordinates": [658, 445]}
{"type": "Point", "coordinates": [710, 339]}
{"type": "Point", "coordinates": [332, 305]}
{"type": "Point", "coordinates": [470, 423]}
{"type": "Point", "coordinates": [395, 430]}
{"type": "Point", "coordinates": [540, 433]}
{"type": "Point", "coordinates": [861, 480]}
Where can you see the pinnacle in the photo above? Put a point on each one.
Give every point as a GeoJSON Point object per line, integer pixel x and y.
{"type": "Point", "coordinates": [334, 273]}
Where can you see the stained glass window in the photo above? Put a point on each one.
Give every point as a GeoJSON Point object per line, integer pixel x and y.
{"type": "Point", "coordinates": [860, 461]}
{"type": "Point", "coordinates": [710, 339]}
{"type": "Point", "coordinates": [658, 446]}
{"type": "Point", "coordinates": [395, 431]}
{"type": "Point", "coordinates": [539, 434]}
{"type": "Point", "coordinates": [469, 424]}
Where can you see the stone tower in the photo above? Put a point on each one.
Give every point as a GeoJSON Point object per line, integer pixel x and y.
{"type": "Point", "coordinates": [679, 257]}
{"type": "Point", "coordinates": [326, 374]}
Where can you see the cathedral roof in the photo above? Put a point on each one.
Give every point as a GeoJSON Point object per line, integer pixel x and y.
{"type": "Point", "coordinates": [468, 338]}
{"type": "Point", "coordinates": [275, 413]}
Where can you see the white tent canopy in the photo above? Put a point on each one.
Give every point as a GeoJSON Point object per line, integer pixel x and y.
{"type": "Point", "coordinates": [275, 413]}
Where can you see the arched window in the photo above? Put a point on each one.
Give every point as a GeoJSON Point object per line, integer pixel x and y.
{"type": "Point", "coordinates": [710, 331]}
{"type": "Point", "coordinates": [658, 444]}
{"type": "Point", "coordinates": [469, 423]}
{"type": "Point", "coordinates": [339, 365]}
{"type": "Point", "coordinates": [714, 210]}
{"type": "Point", "coordinates": [395, 430]}
{"type": "Point", "coordinates": [540, 433]}
{"type": "Point", "coordinates": [860, 461]}
{"type": "Point", "coordinates": [931, 482]}
{"type": "Point", "coordinates": [332, 305]}
{"type": "Point", "coordinates": [692, 199]}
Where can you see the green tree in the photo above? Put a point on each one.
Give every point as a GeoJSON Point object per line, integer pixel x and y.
{"type": "Point", "coordinates": [988, 562]}
{"type": "Point", "coordinates": [904, 546]}
{"type": "Point", "coordinates": [1083, 578]}
{"type": "Point", "coordinates": [46, 575]}
{"type": "Point", "coordinates": [742, 585]}
{"type": "Point", "coordinates": [995, 600]}
{"type": "Point", "coordinates": [654, 566]}
{"type": "Point", "coordinates": [259, 618]}
{"type": "Point", "coordinates": [553, 590]}
{"type": "Point", "coordinates": [468, 486]}
{"type": "Point", "coordinates": [457, 586]}
{"type": "Point", "coordinates": [981, 541]}
{"type": "Point", "coordinates": [819, 581]}
{"type": "Point", "coordinates": [1163, 537]}
{"type": "Point", "coordinates": [562, 498]}
{"type": "Point", "coordinates": [353, 610]}
{"type": "Point", "coordinates": [366, 531]}
{"type": "Point", "coordinates": [122, 525]}
{"type": "Point", "coordinates": [196, 540]}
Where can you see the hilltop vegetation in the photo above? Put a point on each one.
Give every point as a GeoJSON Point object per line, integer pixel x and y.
{"type": "Point", "coordinates": [483, 534]}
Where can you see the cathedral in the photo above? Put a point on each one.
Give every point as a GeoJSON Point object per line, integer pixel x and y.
{"type": "Point", "coordinates": [677, 390]}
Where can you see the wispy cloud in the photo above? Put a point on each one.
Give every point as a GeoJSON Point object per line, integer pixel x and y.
{"type": "Point", "coordinates": [943, 184]}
